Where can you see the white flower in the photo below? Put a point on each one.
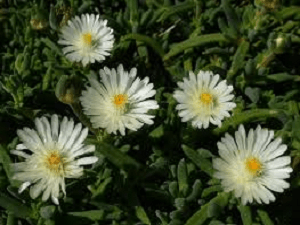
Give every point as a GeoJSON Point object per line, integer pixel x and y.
{"type": "Point", "coordinates": [55, 155]}
{"type": "Point", "coordinates": [118, 102]}
{"type": "Point", "coordinates": [251, 166]}
{"type": "Point", "coordinates": [201, 101]}
{"type": "Point", "coordinates": [87, 39]}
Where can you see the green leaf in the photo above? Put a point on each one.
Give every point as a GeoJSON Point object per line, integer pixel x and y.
{"type": "Point", "coordinates": [52, 45]}
{"type": "Point", "coordinates": [288, 12]}
{"type": "Point", "coordinates": [204, 153]}
{"type": "Point", "coordinates": [134, 14]}
{"type": "Point", "coordinates": [47, 212]}
{"type": "Point", "coordinates": [47, 78]}
{"type": "Point", "coordinates": [16, 207]}
{"type": "Point", "coordinates": [196, 191]}
{"type": "Point", "coordinates": [264, 217]}
{"type": "Point", "coordinates": [142, 215]}
{"type": "Point", "coordinates": [173, 189]}
{"type": "Point", "coordinates": [6, 163]}
{"type": "Point", "coordinates": [146, 17]}
{"type": "Point", "coordinates": [11, 219]}
{"type": "Point", "coordinates": [238, 59]}
{"type": "Point", "coordinates": [92, 215]}
{"type": "Point", "coordinates": [157, 132]}
{"type": "Point", "coordinates": [118, 158]}
{"type": "Point", "coordinates": [175, 9]}
{"type": "Point", "coordinates": [26, 62]}
{"type": "Point", "coordinates": [101, 188]}
{"type": "Point", "coordinates": [213, 210]}
{"type": "Point", "coordinates": [250, 70]}
{"type": "Point", "coordinates": [147, 40]}
{"type": "Point", "coordinates": [162, 217]}
{"type": "Point", "coordinates": [246, 116]}
{"type": "Point", "coordinates": [194, 42]}
{"type": "Point", "coordinates": [180, 203]}
{"type": "Point", "coordinates": [215, 222]}
{"type": "Point", "coordinates": [49, 222]}
{"type": "Point", "coordinates": [203, 163]}
{"type": "Point", "coordinates": [207, 191]}
{"type": "Point", "coordinates": [232, 17]}
{"type": "Point", "coordinates": [182, 178]}
{"type": "Point", "coordinates": [281, 77]}
{"type": "Point", "coordinates": [210, 209]}
{"type": "Point", "coordinates": [245, 214]}
{"type": "Point", "coordinates": [253, 94]}
{"type": "Point", "coordinates": [52, 18]}
{"type": "Point", "coordinates": [19, 63]}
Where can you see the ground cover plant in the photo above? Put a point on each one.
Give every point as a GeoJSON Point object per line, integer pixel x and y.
{"type": "Point", "coordinates": [149, 112]}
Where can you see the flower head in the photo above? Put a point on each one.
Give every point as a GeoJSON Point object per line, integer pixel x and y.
{"type": "Point", "coordinates": [118, 102]}
{"type": "Point", "coordinates": [251, 166]}
{"type": "Point", "coordinates": [55, 155]}
{"type": "Point", "coordinates": [87, 39]}
{"type": "Point", "coordinates": [202, 101]}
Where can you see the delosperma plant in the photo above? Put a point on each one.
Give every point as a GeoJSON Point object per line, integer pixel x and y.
{"type": "Point", "coordinates": [179, 112]}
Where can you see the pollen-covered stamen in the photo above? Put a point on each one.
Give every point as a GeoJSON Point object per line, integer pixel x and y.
{"type": "Point", "coordinates": [87, 39]}
{"type": "Point", "coordinates": [206, 98]}
{"type": "Point", "coordinates": [120, 100]}
{"type": "Point", "coordinates": [254, 166]}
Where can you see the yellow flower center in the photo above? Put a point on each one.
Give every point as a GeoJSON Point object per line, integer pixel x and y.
{"type": "Point", "coordinates": [206, 98]}
{"type": "Point", "coordinates": [120, 100]}
{"type": "Point", "coordinates": [254, 166]}
{"type": "Point", "coordinates": [87, 39]}
{"type": "Point", "coordinates": [55, 162]}
{"type": "Point", "coordinates": [54, 159]}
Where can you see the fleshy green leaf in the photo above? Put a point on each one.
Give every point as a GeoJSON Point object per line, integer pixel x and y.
{"type": "Point", "coordinates": [6, 162]}
{"type": "Point", "coordinates": [281, 77]}
{"type": "Point", "coordinates": [210, 209]}
{"type": "Point", "coordinates": [194, 42]}
{"type": "Point", "coordinates": [246, 116]}
{"type": "Point", "coordinates": [265, 219]}
{"type": "Point", "coordinates": [147, 40]}
{"type": "Point", "coordinates": [203, 163]}
{"type": "Point", "coordinates": [16, 207]}
{"type": "Point", "coordinates": [245, 214]}
{"type": "Point", "coordinates": [118, 158]}
{"type": "Point", "coordinates": [182, 177]}
{"type": "Point", "coordinates": [142, 215]}
{"type": "Point", "coordinates": [92, 215]}
{"type": "Point", "coordinates": [238, 59]}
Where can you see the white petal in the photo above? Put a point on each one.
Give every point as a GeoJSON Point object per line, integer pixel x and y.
{"type": "Point", "coordinates": [24, 186]}
{"type": "Point", "coordinates": [20, 153]}
{"type": "Point", "coordinates": [55, 200]}
{"type": "Point", "coordinates": [279, 162]}
{"type": "Point", "coordinates": [54, 127]}
{"type": "Point", "coordinates": [87, 160]}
